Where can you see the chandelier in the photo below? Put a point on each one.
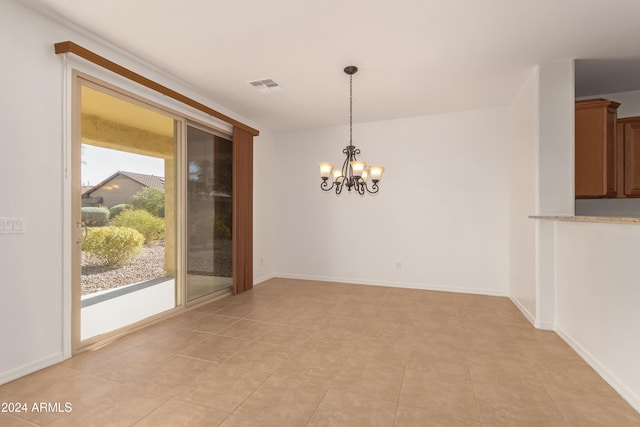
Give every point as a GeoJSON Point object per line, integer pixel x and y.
{"type": "Point", "coordinates": [354, 173]}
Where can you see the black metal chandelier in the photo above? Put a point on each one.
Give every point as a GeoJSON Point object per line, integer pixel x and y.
{"type": "Point", "coordinates": [354, 173]}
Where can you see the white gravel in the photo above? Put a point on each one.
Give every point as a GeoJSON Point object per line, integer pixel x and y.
{"type": "Point", "coordinates": [146, 265]}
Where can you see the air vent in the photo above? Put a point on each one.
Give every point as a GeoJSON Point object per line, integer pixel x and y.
{"type": "Point", "coordinates": [265, 85]}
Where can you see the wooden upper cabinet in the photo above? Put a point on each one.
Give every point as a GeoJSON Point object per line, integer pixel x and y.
{"type": "Point", "coordinates": [595, 139]}
{"type": "Point", "coordinates": [628, 157]}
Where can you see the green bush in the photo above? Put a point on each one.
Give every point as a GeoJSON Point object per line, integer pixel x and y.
{"type": "Point", "coordinates": [118, 209]}
{"type": "Point", "coordinates": [95, 217]}
{"type": "Point", "coordinates": [151, 227]}
{"type": "Point", "coordinates": [150, 200]}
{"type": "Point", "coordinates": [112, 245]}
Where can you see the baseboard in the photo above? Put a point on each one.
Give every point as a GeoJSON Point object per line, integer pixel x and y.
{"type": "Point", "coordinates": [422, 286]}
{"type": "Point", "coordinates": [547, 326]}
{"type": "Point", "coordinates": [32, 367]}
{"type": "Point", "coordinates": [523, 310]}
{"type": "Point", "coordinates": [263, 279]}
{"type": "Point", "coordinates": [619, 386]}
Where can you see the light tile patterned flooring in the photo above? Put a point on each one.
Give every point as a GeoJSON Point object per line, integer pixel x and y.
{"type": "Point", "coordinates": [296, 353]}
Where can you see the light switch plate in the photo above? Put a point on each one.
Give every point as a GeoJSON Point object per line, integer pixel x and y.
{"type": "Point", "coordinates": [12, 225]}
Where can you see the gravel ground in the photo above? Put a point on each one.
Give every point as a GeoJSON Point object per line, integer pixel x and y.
{"type": "Point", "coordinates": [149, 264]}
{"type": "Point", "coordinates": [146, 265]}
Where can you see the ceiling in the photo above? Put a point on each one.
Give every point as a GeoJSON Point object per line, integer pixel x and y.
{"type": "Point", "coordinates": [416, 57]}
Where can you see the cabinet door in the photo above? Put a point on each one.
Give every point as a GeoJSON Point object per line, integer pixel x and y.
{"type": "Point", "coordinates": [632, 159]}
{"type": "Point", "coordinates": [595, 130]}
{"type": "Point", "coordinates": [619, 163]}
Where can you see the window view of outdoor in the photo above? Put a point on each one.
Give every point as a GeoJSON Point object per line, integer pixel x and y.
{"type": "Point", "coordinates": [124, 226]}
{"type": "Point", "coordinates": [128, 252]}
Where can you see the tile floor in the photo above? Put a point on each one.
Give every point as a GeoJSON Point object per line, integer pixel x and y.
{"type": "Point", "coordinates": [296, 353]}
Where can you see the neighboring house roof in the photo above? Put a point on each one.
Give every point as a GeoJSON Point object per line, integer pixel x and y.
{"type": "Point", "coordinates": [148, 180]}
{"type": "Point", "coordinates": [143, 179]}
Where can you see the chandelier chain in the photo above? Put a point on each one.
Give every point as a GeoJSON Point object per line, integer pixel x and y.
{"type": "Point", "coordinates": [351, 110]}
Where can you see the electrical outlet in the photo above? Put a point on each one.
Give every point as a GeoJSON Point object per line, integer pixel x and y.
{"type": "Point", "coordinates": [398, 265]}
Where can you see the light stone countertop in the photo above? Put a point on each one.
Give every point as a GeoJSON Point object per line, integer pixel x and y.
{"type": "Point", "coordinates": [602, 219]}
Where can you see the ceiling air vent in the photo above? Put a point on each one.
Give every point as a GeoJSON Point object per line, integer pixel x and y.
{"type": "Point", "coordinates": [265, 85]}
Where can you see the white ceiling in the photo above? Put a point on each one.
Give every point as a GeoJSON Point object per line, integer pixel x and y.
{"type": "Point", "coordinates": [416, 57]}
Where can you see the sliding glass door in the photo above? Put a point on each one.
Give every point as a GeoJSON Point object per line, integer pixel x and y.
{"type": "Point", "coordinates": [209, 212]}
{"type": "Point", "coordinates": [152, 212]}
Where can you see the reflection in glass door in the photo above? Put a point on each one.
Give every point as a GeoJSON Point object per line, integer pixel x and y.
{"type": "Point", "coordinates": [209, 213]}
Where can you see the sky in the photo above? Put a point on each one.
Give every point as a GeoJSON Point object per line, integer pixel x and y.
{"type": "Point", "coordinates": [100, 163]}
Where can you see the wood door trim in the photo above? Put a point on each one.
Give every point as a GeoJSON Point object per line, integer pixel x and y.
{"type": "Point", "coordinates": [71, 47]}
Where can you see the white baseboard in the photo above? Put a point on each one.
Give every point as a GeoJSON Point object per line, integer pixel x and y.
{"type": "Point", "coordinates": [263, 279]}
{"type": "Point", "coordinates": [421, 286]}
{"type": "Point", "coordinates": [523, 310]}
{"type": "Point", "coordinates": [601, 369]}
{"type": "Point", "coordinates": [29, 368]}
{"type": "Point", "coordinates": [548, 326]}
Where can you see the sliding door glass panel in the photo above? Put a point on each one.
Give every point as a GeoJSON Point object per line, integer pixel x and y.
{"type": "Point", "coordinates": [128, 266]}
{"type": "Point", "coordinates": [209, 213]}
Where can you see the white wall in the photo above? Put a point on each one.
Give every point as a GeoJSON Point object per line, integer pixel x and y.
{"type": "Point", "coordinates": [541, 179]}
{"type": "Point", "coordinates": [34, 266]}
{"type": "Point", "coordinates": [598, 296]}
{"type": "Point", "coordinates": [523, 175]}
{"type": "Point", "coordinates": [442, 211]}
{"type": "Point", "coordinates": [556, 148]}
{"type": "Point", "coordinates": [555, 191]}
{"type": "Point", "coordinates": [31, 173]}
{"type": "Point", "coordinates": [264, 205]}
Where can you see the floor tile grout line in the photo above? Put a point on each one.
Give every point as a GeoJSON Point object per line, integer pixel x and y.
{"type": "Point", "coordinates": [544, 384]}
{"type": "Point", "coordinates": [404, 372]}
{"type": "Point", "coordinates": [326, 391]}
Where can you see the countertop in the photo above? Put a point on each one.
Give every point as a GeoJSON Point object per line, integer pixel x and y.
{"type": "Point", "coordinates": [602, 219]}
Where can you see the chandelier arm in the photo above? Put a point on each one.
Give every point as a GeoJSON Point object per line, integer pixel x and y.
{"type": "Point", "coordinates": [374, 188]}
{"type": "Point", "coordinates": [324, 185]}
{"type": "Point", "coordinates": [346, 166]}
